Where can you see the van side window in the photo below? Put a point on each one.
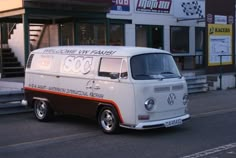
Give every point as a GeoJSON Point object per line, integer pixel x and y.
{"type": "Point", "coordinates": [30, 61]}
{"type": "Point", "coordinates": [124, 70]}
{"type": "Point", "coordinates": [109, 66]}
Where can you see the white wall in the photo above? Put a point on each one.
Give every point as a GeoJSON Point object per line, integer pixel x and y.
{"type": "Point", "coordinates": [228, 81]}
{"type": "Point", "coordinates": [16, 43]}
{"type": "Point", "coordinates": [130, 35]}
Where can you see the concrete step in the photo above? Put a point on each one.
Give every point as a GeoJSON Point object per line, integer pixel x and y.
{"type": "Point", "coordinates": [197, 84]}
{"type": "Point", "coordinates": [16, 97]}
{"type": "Point", "coordinates": [13, 108]}
{"type": "Point", "coordinates": [11, 104]}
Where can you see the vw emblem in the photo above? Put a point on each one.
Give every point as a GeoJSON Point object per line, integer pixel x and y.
{"type": "Point", "coordinates": [171, 98]}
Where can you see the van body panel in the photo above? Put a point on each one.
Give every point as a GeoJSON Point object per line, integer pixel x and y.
{"type": "Point", "coordinates": [80, 79]}
{"type": "Point", "coordinates": [122, 94]}
{"type": "Point", "coordinates": [161, 91]}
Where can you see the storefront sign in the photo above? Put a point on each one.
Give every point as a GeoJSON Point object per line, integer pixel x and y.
{"type": "Point", "coordinates": [220, 44]}
{"type": "Point", "coordinates": [220, 19]}
{"type": "Point", "coordinates": [153, 6]}
{"type": "Point", "coordinates": [120, 5]}
{"type": "Point", "coordinates": [189, 9]}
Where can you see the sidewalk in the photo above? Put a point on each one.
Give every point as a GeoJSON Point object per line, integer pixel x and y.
{"type": "Point", "coordinates": [10, 86]}
{"type": "Point", "coordinates": [211, 102]}
{"type": "Point", "coordinates": [11, 94]}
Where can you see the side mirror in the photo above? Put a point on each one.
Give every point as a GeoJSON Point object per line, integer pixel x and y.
{"type": "Point", "coordinates": [114, 75]}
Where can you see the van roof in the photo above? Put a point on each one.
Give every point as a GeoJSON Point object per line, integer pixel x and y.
{"type": "Point", "coordinates": [97, 50]}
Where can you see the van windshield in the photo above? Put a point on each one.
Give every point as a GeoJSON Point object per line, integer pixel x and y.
{"type": "Point", "coordinates": [153, 66]}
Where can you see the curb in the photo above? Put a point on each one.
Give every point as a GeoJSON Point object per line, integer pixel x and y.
{"type": "Point", "coordinates": [14, 107]}
{"type": "Point", "coordinates": [11, 92]}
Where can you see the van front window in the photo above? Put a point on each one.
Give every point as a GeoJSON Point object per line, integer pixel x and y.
{"type": "Point", "coordinates": [153, 66]}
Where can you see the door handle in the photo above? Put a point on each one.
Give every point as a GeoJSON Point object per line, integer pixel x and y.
{"type": "Point", "coordinates": [96, 87]}
{"type": "Point", "coordinates": [88, 87]}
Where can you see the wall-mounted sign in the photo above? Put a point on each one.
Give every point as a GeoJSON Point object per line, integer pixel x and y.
{"type": "Point", "coordinates": [189, 9]}
{"type": "Point", "coordinates": [210, 18]}
{"type": "Point", "coordinates": [220, 44]}
{"type": "Point", "coordinates": [120, 5]}
{"type": "Point", "coordinates": [220, 19]}
{"type": "Point", "coordinates": [220, 35]}
{"type": "Point", "coordinates": [153, 6]}
{"type": "Point", "coordinates": [230, 19]}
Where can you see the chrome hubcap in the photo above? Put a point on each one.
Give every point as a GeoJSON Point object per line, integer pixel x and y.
{"type": "Point", "coordinates": [41, 109]}
{"type": "Point", "coordinates": [107, 120]}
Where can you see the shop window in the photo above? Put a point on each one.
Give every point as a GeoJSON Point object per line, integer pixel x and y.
{"type": "Point", "coordinates": [67, 35]}
{"type": "Point", "coordinates": [199, 46]}
{"type": "Point", "coordinates": [199, 36]}
{"type": "Point", "coordinates": [179, 39]}
{"type": "Point", "coordinates": [92, 34]}
{"type": "Point", "coordinates": [116, 35]}
{"type": "Point", "coordinates": [141, 36]}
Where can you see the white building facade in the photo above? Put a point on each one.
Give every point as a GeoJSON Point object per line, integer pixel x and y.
{"type": "Point", "coordinates": [174, 25]}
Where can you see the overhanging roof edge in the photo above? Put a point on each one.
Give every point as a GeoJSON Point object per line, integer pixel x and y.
{"type": "Point", "coordinates": [10, 13]}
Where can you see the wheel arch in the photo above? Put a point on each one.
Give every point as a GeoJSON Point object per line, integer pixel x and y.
{"type": "Point", "coordinates": [113, 106]}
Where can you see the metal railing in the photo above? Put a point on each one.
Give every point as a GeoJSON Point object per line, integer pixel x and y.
{"type": "Point", "coordinates": [11, 28]}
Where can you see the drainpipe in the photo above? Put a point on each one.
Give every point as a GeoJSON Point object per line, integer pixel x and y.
{"type": "Point", "coordinates": [220, 72]}
{"type": "Point", "coordinates": [0, 50]}
{"type": "Point", "coordinates": [26, 35]}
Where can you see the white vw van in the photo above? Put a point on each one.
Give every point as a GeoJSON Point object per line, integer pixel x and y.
{"type": "Point", "coordinates": [131, 87]}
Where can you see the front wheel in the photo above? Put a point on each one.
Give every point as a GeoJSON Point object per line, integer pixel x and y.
{"type": "Point", "coordinates": [42, 110]}
{"type": "Point", "coordinates": [108, 120]}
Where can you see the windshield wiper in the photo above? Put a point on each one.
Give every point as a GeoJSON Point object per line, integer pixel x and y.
{"type": "Point", "coordinates": [167, 72]}
{"type": "Point", "coordinates": [170, 73]}
{"type": "Point", "coordinates": [142, 75]}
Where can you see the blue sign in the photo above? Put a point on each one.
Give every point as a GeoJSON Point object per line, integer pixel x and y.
{"type": "Point", "coordinates": [120, 5]}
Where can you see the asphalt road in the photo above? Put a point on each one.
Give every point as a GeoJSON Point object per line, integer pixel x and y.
{"type": "Point", "coordinates": [211, 133]}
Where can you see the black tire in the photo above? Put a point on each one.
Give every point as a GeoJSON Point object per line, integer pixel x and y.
{"type": "Point", "coordinates": [42, 111]}
{"type": "Point", "coordinates": [108, 120]}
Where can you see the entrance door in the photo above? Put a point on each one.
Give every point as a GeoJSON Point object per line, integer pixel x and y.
{"type": "Point", "coordinates": [149, 36]}
{"type": "Point", "coordinates": [157, 37]}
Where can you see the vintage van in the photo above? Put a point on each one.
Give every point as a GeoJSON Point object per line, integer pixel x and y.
{"type": "Point", "coordinates": [131, 87]}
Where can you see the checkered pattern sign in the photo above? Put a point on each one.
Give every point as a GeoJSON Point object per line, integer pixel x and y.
{"type": "Point", "coordinates": [192, 9]}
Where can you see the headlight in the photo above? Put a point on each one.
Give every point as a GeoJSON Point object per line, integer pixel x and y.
{"type": "Point", "coordinates": [149, 104]}
{"type": "Point", "coordinates": [185, 99]}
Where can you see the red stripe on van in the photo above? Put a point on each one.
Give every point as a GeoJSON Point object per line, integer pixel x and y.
{"type": "Point", "coordinates": [80, 97]}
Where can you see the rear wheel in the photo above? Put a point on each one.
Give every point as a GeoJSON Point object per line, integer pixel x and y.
{"type": "Point", "coordinates": [42, 110]}
{"type": "Point", "coordinates": [108, 120]}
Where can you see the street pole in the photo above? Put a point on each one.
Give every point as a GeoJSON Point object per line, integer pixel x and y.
{"type": "Point", "coordinates": [220, 72]}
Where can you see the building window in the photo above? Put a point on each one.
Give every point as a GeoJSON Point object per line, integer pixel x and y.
{"type": "Point", "coordinates": [179, 37]}
{"type": "Point", "coordinates": [141, 36]}
{"type": "Point", "coordinates": [92, 34]}
{"type": "Point", "coordinates": [67, 35]}
{"type": "Point", "coordinates": [116, 35]}
{"type": "Point", "coordinates": [199, 36]}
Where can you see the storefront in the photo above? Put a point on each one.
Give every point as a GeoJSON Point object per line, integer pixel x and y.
{"type": "Point", "coordinates": [173, 25]}
{"type": "Point", "coordinates": [92, 32]}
